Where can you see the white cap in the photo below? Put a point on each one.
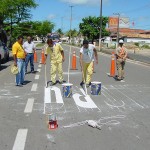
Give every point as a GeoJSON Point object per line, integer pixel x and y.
{"type": "Point", "coordinates": [121, 41]}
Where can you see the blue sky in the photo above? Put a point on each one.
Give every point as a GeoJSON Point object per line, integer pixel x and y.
{"type": "Point", "coordinates": [59, 11]}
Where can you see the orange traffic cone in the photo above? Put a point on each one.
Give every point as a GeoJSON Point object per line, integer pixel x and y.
{"type": "Point", "coordinates": [74, 61]}
{"type": "Point", "coordinates": [112, 67]}
{"type": "Point", "coordinates": [42, 57]}
{"type": "Point", "coordinates": [35, 57]}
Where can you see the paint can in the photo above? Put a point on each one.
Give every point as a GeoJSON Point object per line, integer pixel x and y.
{"type": "Point", "coordinates": [52, 121]}
{"type": "Point", "coordinates": [67, 90]}
{"type": "Point", "coordinates": [95, 88]}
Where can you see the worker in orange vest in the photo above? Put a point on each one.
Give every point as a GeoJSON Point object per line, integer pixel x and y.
{"type": "Point", "coordinates": [121, 55]}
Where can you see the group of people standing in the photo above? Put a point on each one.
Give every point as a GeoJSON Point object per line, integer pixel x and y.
{"type": "Point", "coordinates": [24, 52]}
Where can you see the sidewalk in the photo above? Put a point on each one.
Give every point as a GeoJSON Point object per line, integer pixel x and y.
{"type": "Point", "coordinates": [137, 55]}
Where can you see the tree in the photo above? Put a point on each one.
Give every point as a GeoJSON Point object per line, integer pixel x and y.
{"type": "Point", "coordinates": [30, 28]}
{"type": "Point", "coordinates": [74, 33]}
{"type": "Point", "coordinates": [90, 27]}
{"type": "Point", "coordinates": [14, 11]}
{"type": "Point", "coordinates": [59, 31]}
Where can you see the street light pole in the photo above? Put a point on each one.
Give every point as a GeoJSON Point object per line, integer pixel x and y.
{"type": "Point", "coordinates": [100, 32]}
{"type": "Point", "coordinates": [70, 43]}
{"type": "Point", "coordinates": [71, 22]}
{"type": "Point", "coordinates": [117, 28]}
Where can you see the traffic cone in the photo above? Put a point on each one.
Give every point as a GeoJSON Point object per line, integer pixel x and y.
{"type": "Point", "coordinates": [74, 61]}
{"type": "Point", "coordinates": [112, 67]}
{"type": "Point", "coordinates": [35, 57]}
{"type": "Point", "coordinates": [42, 57]}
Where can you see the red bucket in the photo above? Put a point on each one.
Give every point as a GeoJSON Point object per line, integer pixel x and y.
{"type": "Point", "coordinates": [52, 122]}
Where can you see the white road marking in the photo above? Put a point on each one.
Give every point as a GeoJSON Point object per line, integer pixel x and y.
{"type": "Point", "coordinates": [39, 70]}
{"type": "Point", "coordinates": [47, 95]}
{"type": "Point", "coordinates": [58, 95]}
{"type": "Point", "coordinates": [34, 87]}
{"type": "Point", "coordinates": [20, 140]}
{"type": "Point", "coordinates": [39, 65]}
{"type": "Point", "coordinates": [85, 104]}
{"type": "Point", "coordinates": [37, 76]}
{"type": "Point", "coordinates": [29, 105]}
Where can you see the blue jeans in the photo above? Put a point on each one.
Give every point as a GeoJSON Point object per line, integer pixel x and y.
{"type": "Point", "coordinates": [29, 57]}
{"type": "Point", "coordinates": [21, 67]}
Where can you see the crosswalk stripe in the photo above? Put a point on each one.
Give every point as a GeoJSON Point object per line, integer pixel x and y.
{"type": "Point", "coordinates": [29, 105]}
{"type": "Point", "coordinates": [20, 140]}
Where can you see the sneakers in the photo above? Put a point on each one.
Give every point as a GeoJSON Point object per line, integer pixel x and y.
{"type": "Point", "coordinates": [52, 83]}
{"type": "Point", "coordinates": [81, 84]}
{"type": "Point", "coordinates": [60, 82]}
{"type": "Point", "coordinates": [88, 85]}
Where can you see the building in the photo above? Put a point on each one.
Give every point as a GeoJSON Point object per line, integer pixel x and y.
{"type": "Point", "coordinates": [125, 33]}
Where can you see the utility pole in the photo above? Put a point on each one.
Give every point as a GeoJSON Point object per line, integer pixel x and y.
{"type": "Point", "coordinates": [71, 22]}
{"type": "Point", "coordinates": [62, 23]}
{"type": "Point", "coordinates": [118, 14]}
{"type": "Point", "coordinates": [100, 32]}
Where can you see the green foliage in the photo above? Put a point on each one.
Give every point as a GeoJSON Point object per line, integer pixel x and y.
{"type": "Point", "coordinates": [32, 28]}
{"type": "Point", "coordinates": [136, 44]}
{"type": "Point", "coordinates": [59, 31]}
{"type": "Point", "coordinates": [15, 11]}
{"type": "Point", "coordinates": [90, 27]}
{"type": "Point", "coordinates": [146, 46]}
{"type": "Point", "coordinates": [73, 33]}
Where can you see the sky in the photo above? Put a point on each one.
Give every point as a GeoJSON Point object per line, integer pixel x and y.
{"type": "Point", "coordinates": [59, 12]}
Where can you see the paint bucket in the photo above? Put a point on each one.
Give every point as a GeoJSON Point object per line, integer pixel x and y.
{"type": "Point", "coordinates": [67, 90]}
{"type": "Point", "coordinates": [52, 121]}
{"type": "Point", "coordinates": [95, 88]}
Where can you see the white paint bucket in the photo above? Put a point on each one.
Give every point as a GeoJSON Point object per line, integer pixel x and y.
{"type": "Point", "coordinates": [67, 90]}
{"type": "Point", "coordinates": [95, 88]}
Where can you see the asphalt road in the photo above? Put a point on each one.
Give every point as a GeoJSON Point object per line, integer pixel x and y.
{"type": "Point", "coordinates": [122, 109]}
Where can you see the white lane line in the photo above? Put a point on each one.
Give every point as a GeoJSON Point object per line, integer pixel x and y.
{"type": "Point", "coordinates": [20, 140]}
{"type": "Point", "coordinates": [39, 70]}
{"type": "Point", "coordinates": [39, 65]}
{"type": "Point", "coordinates": [47, 95]}
{"type": "Point", "coordinates": [37, 76]}
{"type": "Point", "coordinates": [34, 87]}
{"type": "Point", "coordinates": [29, 105]}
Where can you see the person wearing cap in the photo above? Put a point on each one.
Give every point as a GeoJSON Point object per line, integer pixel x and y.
{"type": "Point", "coordinates": [29, 48]}
{"type": "Point", "coordinates": [87, 53]}
{"type": "Point", "coordinates": [121, 55]}
{"type": "Point", "coordinates": [56, 59]}
{"type": "Point", "coordinates": [19, 60]}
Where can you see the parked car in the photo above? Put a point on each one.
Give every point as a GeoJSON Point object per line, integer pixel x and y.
{"type": "Point", "coordinates": [1, 53]}
{"type": "Point", "coordinates": [4, 53]}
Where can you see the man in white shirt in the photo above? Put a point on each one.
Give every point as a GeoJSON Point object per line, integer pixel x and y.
{"type": "Point", "coordinates": [29, 48]}
{"type": "Point", "coordinates": [87, 53]}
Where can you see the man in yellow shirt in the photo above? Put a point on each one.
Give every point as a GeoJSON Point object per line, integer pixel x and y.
{"type": "Point", "coordinates": [19, 60]}
{"type": "Point", "coordinates": [56, 58]}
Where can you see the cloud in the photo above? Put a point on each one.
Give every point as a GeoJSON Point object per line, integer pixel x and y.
{"type": "Point", "coordinates": [83, 2]}
{"type": "Point", "coordinates": [51, 16]}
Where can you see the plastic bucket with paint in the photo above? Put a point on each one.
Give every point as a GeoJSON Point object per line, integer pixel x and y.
{"type": "Point", "coordinates": [52, 121]}
{"type": "Point", "coordinates": [67, 90]}
{"type": "Point", "coordinates": [95, 88]}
